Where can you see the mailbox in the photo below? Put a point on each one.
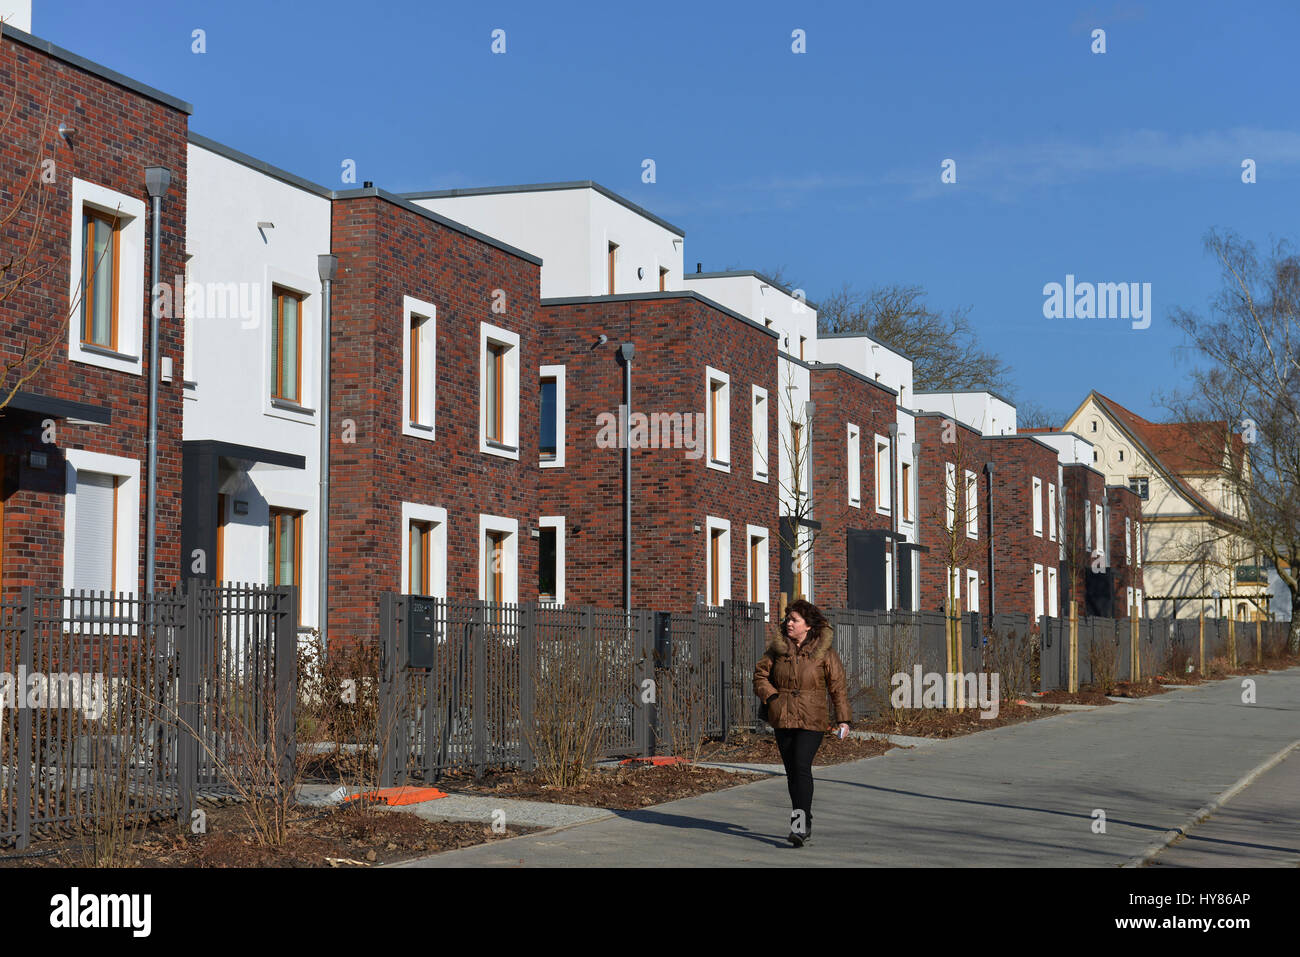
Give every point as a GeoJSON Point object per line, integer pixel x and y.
{"type": "Point", "coordinates": [420, 631]}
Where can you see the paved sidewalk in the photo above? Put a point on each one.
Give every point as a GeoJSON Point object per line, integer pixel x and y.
{"type": "Point", "coordinates": [1020, 795]}
{"type": "Point", "coordinates": [1259, 827]}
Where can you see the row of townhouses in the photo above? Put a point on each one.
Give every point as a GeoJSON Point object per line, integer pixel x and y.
{"type": "Point", "coordinates": [443, 375]}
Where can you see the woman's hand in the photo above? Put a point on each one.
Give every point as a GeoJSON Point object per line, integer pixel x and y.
{"type": "Point", "coordinates": [843, 731]}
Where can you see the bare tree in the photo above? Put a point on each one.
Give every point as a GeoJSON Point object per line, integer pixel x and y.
{"type": "Point", "coordinates": [1243, 404]}
{"type": "Point", "coordinates": [796, 534]}
{"type": "Point", "coordinates": [1032, 415]}
{"type": "Point", "coordinates": [943, 346]}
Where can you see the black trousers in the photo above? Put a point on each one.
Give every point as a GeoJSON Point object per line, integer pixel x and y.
{"type": "Point", "coordinates": [798, 747]}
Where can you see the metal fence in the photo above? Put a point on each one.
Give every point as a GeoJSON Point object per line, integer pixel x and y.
{"type": "Point", "coordinates": [140, 705]}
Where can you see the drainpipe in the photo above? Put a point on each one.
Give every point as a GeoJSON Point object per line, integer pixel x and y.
{"type": "Point", "coordinates": [993, 581]}
{"type": "Point", "coordinates": [156, 181]}
{"type": "Point", "coordinates": [893, 514]}
{"type": "Point", "coordinates": [625, 353]}
{"type": "Point", "coordinates": [326, 266]}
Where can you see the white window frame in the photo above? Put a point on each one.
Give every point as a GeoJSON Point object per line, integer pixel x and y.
{"type": "Point", "coordinates": [907, 508]}
{"type": "Point", "coordinates": [1128, 540]}
{"type": "Point", "coordinates": [1038, 591]}
{"type": "Point", "coordinates": [1037, 506]}
{"type": "Point", "coordinates": [723, 428]}
{"type": "Point", "coordinates": [556, 373]}
{"type": "Point", "coordinates": [972, 504]}
{"type": "Point", "coordinates": [1087, 525]}
{"type": "Point", "coordinates": [309, 322]}
{"type": "Point", "coordinates": [425, 366]}
{"type": "Point", "coordinates": [415, 512]}
{"type": "Point", "coordinates": [950, 491]}
{"type": "Point", "coordinates": [972, 590]}
{"type": "Point", "coordinates": [509, 574]}
{"type": "Point", "coordinates": [854, 447]}
{"type": "Point", "coordinates": [889, 579]}
{"type": "Point", "coordinates": [510, 395]}
{"type": "Point", "coordinates": [1053, 586]}
{"type": "Point", "coordinates": [1100, 544]}
{"type": "Point", "coordinates": [1128, 601]}
{"type": "Point", "coordinates": [764, 569]}
{"type": "Point", "coordinates": [1137, 543]}
{"type": "Point", "coordinates": [882, 493]}
{"type": "Point", "coordinates": [130, 211]}
{"type": "Point", "coordinates": [1138, 602]}
{"type": "Point", "coordinates": [126, 566]}
{"type": "Point", "coordinates": [758, 430]}
{"type": "Point", "coordinates": [1051, 511]}
{"type": "Point", "coordinates": [724, 560]}
{"type": "Point", "coordinates": [556, 522]}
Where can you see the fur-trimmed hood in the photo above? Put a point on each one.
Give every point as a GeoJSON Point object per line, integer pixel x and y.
{"type": "Point", "coordinates": [779, 645]}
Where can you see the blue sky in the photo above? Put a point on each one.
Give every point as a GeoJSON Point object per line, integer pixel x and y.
{"type": "Point", "coordinates": [1110, 167]}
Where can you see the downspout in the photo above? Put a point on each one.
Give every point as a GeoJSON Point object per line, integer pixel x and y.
{"type": "Point", "coordinates": [993, 580]}
{"type": "Point", "coordinates": [156, 181]}
{"type": "Point", "coordinates": [893, 515]}
{"type": "Point", "coordinates": [326, 266]}
{"type": "Point", "coordinates": [625, 353]}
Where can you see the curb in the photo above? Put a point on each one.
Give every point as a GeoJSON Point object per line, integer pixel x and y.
{"type": "Point", "coordinates": [1213, 805]}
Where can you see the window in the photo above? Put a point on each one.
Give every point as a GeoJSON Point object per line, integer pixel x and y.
{"type": "Point", "coordinates": [286, 345]}
{"type": "Point", "coordinates": [802, 340]}
{"type": "Point", "coordinates": [972, 590]}
{"type": "Point", "coordinates": [1087, 524]}
{"type": "Point", "coordinates": [499, 394]}
{"type": "Point", "coordinates": [1128, 541]}
{"type": "Point", "coordinates": [1121, 455]}
{"type": "Point", "coordinates": [419, 364]}
{"type": "Point", "coordinates": [718, 560]}
{"type": "Point", "coordinates": [1128, 602]}
{"type": "Point", "coordinates": [883, 475]}
{"type": "Point", "coordinates": [1053, 599]}
{"type": "Point", "coordinates": [757, 572]}
{"type": "Point", "coordinates": [855, 467]}
{"type": "Point", "coordinates": [106, 278]}
{"type": "Point", "coordinates": [551, 439]}
{"type": "Point", "coordinates": [759, 433]}
{"type": "Point", "coordinates": [1137, 543]}
{"type": "Point", "coordinates": [612, 248]}
{"type": "Point", "coordinates": [889, 579]}
{"type": "Point", "coordinates": [663, 279]}
{"type": "Point", "coordinates": [972, 505]}
{"type": "Point", "coordinates": [1094, 455]}
{"type": "Point", "coordinates": [798, 459]}
{"type": "Point", "coordinates": [1038, 591]}
{"type": "Point", "coordinates": [101, 522]}
{"type": "Point", "coordinates": [718, 398]}
{"type": "Point", "coordinates": [498, 559]}
{"type": "Point", "coordinates": [424, 553]}
{"type": "Point", "coordinates": [1099, 537]}
{"type": "Point", "coordinates": [950, 488]}
{"type": "Point", "coordinates": [284, 550]}
{"type": "Point", "coordinates": [1037, 505]}
{"type": "Point", "coordinates": [905, 488]}
{"type": "Point", "coordinates": [1140, 484]}
{"type": "Point", "coordinates": [1094, 425]}
{"type": "Point", "coordinates": [101, 245]}
{"type": "Point", "coordinates": [1051, 512]}
{"type": "Point", "coordinates": [550, 565]}
{"type": "Point", "coordinates": [767, 323]}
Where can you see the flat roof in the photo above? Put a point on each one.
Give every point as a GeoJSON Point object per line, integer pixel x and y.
{"type": "Point", "coordinates": [103, 72]}
{"type": "Point", "coordinates": [836, 367]}
{"type": "Point", "coordinates": [230, 153]}
{"type": "Point", "coordinates": [667, 294]}
{"type": "Point", "coordinates": [869, 338]}
{"type": "Point", "coordinates": [544, 188]}
{"type": "Point", "coordinates": [995, 395]}
{"type": "Point", "coordinates": [37, 404]}
{"type": "Point", "coordinates": [735, 273]}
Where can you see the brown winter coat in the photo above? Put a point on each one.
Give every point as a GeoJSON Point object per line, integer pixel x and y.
{"type": "Point", "coordinates": [796, 685]}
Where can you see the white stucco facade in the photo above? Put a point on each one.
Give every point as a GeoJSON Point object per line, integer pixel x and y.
{"type": "Point", "coordinates": [984, 411]}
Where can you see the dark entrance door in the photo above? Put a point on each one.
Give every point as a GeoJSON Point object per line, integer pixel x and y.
{"type": "Point", "coordinates": [865, 569]}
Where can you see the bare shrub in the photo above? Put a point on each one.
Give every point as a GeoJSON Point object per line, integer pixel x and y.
{"type": "Point", "coordinates": [338, 714]}
{"type": "Point", "coordinates": [896, 650]}
{"type": "Point", "coordinates": [1103, 662]}
{"type": "Point", "coordinates": [568, 710]}
{"type": "Point", "coordinates": [1013, 656]}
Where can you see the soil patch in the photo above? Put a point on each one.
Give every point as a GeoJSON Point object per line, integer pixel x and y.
{"type": "Point", "coordinates": [1073, 697]}
{"type": "Point", "coordinates": [939, 723]}
{"type": "Point", "coordinates": [353, 836]}
{"type": "Point", "coordinates": [624, 788]}
{"type": "Point", "coordinates": [746, 747]}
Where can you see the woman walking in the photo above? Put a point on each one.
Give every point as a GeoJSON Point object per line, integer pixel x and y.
{"type": "Point", "coordinates": [797, 669]}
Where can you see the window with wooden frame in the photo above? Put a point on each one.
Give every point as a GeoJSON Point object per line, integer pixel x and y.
{"type": "Point", "coordinates": [797, 462]}
{"type": "Point", "coordinates": [494, 554]}
{"type": "Point", "coordinates": [718, 418]}
{"type": "Point", "coordinates": [905, 489]}
{"type": "Point", "coordinates": [419, 561]}
{"type": "Point", "coordinates": [612, 248]}
{"type": "Point", "coordinates": [284, 549]}
{"type": "Point", "coordinates": [663, 279]}
{"type": "Point", "coordinates": [715, 566]}
{"type": "Point", "coordinates": [419, 371]}
{"type": "Point", "coordinates": [286, 345]}
{"type": "Point", "coordinates": [101, 251]}
{"type": "Point", "coordinates": [495, 391]}
{"type": "Point", "coordinates": [802, 341]}
{"type": "Point", "coordinates": [756, 593]}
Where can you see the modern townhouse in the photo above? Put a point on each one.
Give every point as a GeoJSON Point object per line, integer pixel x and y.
{"type": "Point", "coordinates": [702, 425]}
{"type": "Point", "coordinates": [1081, 562]}
{"type": "Point", "coordinates": [1192, 560]}
{"type": "Point", "coordinates": [1023, 526]}
{"type": "Point", "coordinates": [953, 498]}
{"type": "Point", "coordinates": [105, 168]}
{"type": "Point", "coordinates": [254, 401]}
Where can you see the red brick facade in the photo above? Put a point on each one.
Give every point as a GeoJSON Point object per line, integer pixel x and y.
{"type": "Point", "coordinates": [1125, 518]}
{"type": "Point", "coordinates": [1017, 460]}
{"type": "Point", "coordinates": [945, 441]}
{"type": "Point", "coordinates": [1083, 492]}
{"type": "Point", "coordinates": [676, 337]}
{"type": "Point", "coordinates": [118, 132]}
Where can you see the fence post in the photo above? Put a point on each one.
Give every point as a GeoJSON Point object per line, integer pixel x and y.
{"type": "Point", "coordinates": [187, 737]}
{"type": "Point", "coordinates": [1201, 620]}
{"type": "Point", "coordinates": [478, 690]}
{"type": "Point", "coordinates": [1232, 640]}
{"type": "Point", "coordinates": [23, 809]}
{"type": "Point", "coordinates": [527, 690]}
{"type": "Point", "coordinates": [1259, 640]}
{"type": "Point", "coordinates": [1134, 644]}
{"type": "Point", "coordinates": [1072, 681]}
{"type": "Point", "coordinates": [286, 682]}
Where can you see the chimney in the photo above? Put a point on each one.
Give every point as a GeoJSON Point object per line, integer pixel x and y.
{"type": "Point", "coordinates": [17, 14]}
{"type": "Point", "coordinates": [699, 267]}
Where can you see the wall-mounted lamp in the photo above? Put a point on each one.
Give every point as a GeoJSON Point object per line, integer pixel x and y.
{"type": "Point", "coordinates": [68, 133]}
{"type": "Point", "coordinates": [697, 526]}
{"type": "Point", "coordinates": [534, 532]}
{"type": "Point", "coordinates": [640, 272]}
{"type": "Point", "coordinates": [600, 341]}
